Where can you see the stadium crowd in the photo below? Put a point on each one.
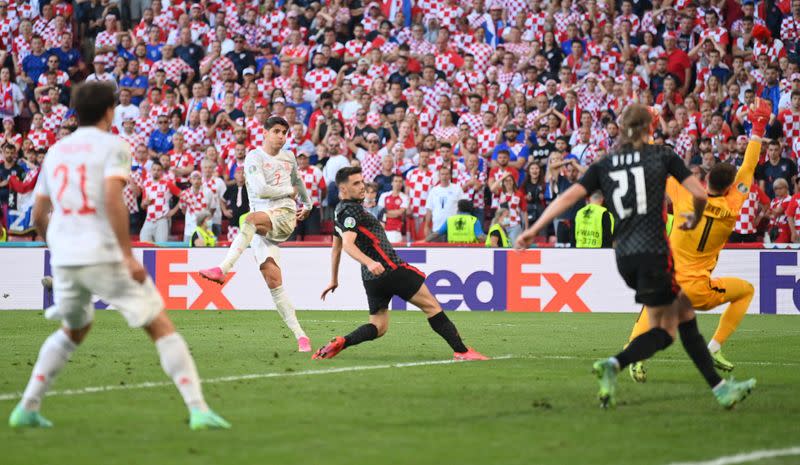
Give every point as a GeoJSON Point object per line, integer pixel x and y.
{"type": "Point", "coordinates": [503, 103]}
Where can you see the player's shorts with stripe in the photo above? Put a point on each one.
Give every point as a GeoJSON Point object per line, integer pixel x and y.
{"type": "Point", "coordinates": [652, 276]}
{"type": "Point", "coordinates": [74, 286]}
{"type": "Point", "coordinates": [403, 281]}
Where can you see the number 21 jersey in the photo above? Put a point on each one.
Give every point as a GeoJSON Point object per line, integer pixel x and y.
{"type": "Point", "coordinates": [73, 177]}
{"type": "Point", "coordinates": [633, 181]}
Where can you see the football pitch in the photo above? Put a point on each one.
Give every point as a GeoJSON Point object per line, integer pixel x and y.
{"type": "Point", "coordinates": [400, 399]}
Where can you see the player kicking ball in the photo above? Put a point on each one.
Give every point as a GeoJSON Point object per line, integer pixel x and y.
{"type": "Point", "coordinates": [272, 185]}
{"type": "Point", "coordinates": [384, 274]}
{"type": "Point", "coordinates": [634, 176]}
{"type": "Point", "coordinates": [696, 251]}
{"type": "Point", "coordinates": [82, 179]}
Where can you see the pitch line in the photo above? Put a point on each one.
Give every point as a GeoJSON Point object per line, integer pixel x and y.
{"type": "Point", "coordinates": [747, 457]}
{"type": "Point", "coordinates": [228, 379]}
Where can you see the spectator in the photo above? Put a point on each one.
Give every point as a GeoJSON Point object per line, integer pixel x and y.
{"type": "Point", "coordinates": [497, 236]}
{"type": "Point", "coordinates": [442, 201]}
{"type": "Point", "coordinates": [461, 228]}
{"type": "Point", "coordinates": [773, 168]}
{"type": "Point", "coordinates": [161, 139]}
{"type": "Point", "coordinates": [395, 206]}
{"type": "Point", "coordinates": [194, 201]}
{"type": "Point", "coordinates": [371, 200]}
{"type": "Point", "coordinates": [156, 195]}
{"type": "Point", "coordinates": [317, 191]}
{"type": "Point", "coordinates": [237, 202]}
{"type": "Point", "coordinates": [594, 224]}
{"type": "Point", "coordinates": [10, 167]}
{"type": "Point", "coordinates": [203, 236]}
{"type": "Point", "coordinates": [514, 200]}
{"type": "Point", "coordinates": [779, 231]}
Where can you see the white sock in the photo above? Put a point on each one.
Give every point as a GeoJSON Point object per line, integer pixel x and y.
{"type": "Point", "coordinates": [286, 309]}
{"type": "Point", "coordinates": [714, 346]}
{"type": "Point", "coordinates": [238, 246]}
{"type": "Point", "coordinates": [614, 361]}
{"type": "Point", "coordinates": [54, 354]}
{"type": "Point", "coordinates": [178, 364]}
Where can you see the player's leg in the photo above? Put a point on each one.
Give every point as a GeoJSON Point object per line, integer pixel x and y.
{"type": "Point", "coordinates": [73, 306]}
{"type": "Point", "coordinates": [255, 223]}
{"type": "Point", "coordinates": [272, 276]}
{"type": "Point", "coordinates": [142, 307]}
{"type": "Point", "coordinates": [378, 298]}
{"type": "Point", "coordinates": [739, 293]}
{"type": "Point", "coordinates": [727, 392]}
{"type": "Point", "coordinates": [637, 370]}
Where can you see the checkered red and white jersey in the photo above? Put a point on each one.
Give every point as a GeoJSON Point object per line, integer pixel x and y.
{"type": "Point", "coordinates": [516, 206]}
{"type": "Point", "coordinates": [134, 140]}
{"type": "Point", "coordinates": [474, 120]}
{"type": "Point", "coordinates": [448, 63]}
{"type": "Point", "coordinates": [791, 130]}
{"type": "Point", "coordinates": [199, 29]}
{"type": "Point", "coordinates": [634, 20]}
{"type": "Point", "coordinates": [445, 133]}
{"type": "Point", "coordinates": [23, 11]}
{"type": "Point", "coordinates": [257, 135]}
{"type": "Point", "coordinates": [718, 35]}
{"type": "Point", "coordinates": [173, 68]}
{"type": "Point", "coordinates": [272, 22]}
{"type": "Point", "coordinates": [378, 71]}
{"type": "Point", "coordinates": [535, 119]}
{"type": "Point", "coordinates": [462, 41]}
{"type": "Point", "coordinates": [131, 200]}
{"type": "Point", "coordinates": [357, 48]}
{"type": "Point", "coordinates": [106, 39]}
{"type": "Point", "coordinates": [774, 52]}
{"type": "Point", "coordinates": [426, 119]}
{"type": "Point", "coordinates": [41, 138]}
{"type": "Point", "coordinates": [747, 215]}
{"type": "Point", "coordinates": [487, 139]}
{"type": "Point", "coordinates": [562, 20]}
{"type": "Point", "coordinates": [420, 47]}
{"type": "Point", "coordinates": [181, 160]}
{"type": "Point", "coordinates": [467, 81]}
{"type": "Point", "coordinates": [780, 203]}
{"type": "Point", "coordinates": [159, 193]}
{"type": "Point", "coordinates": [41, 25]}
{"type": "Point", "coordinates": [22, 48]}
{"type": "Point", "coordinates": [321, 80]}
{"type": "Point", "coordinates": [52, 121]}
{"type": "Point", "coordinates": [790, 28]}
{"type": "Point", "coordinates": [7, 28]}
{"type": "Point", "coordinates": [521, 50]}
{"type": "Point", "coordinates": [165, 21]}
{"type": "Point", "coordinates": [196, 138]}
{"type": "Point", "coordinates": [219, 65]}
{"type": "Point", "coordinates": [223, 137]}
{"type": "Point", "coordinates": [361, 80]}
{"type": "Point", "coordinates": [315, 183]}
{"type": "Point", "coordinates": [448, 16]}
{"type": "Point", "coordinates": [431, 6]}
{"type": "Point", "coordinates": [610, 63]}
{"type": "Point", "coordinates": [476, 195]}
{"type": "Point", "coordinates": [514, 7]}
{"type": "Point", "coordinates": [418, 184]}
{"type": "Point", "coordinates": [592, 102]}
{"type": "Point", "coordinates": [62, 79]}
{"type": "Point", "coordinates": [370, 164]}
{"type": "Point", "coordinates": [145, 126]}
{"type": "Point", "coordinates": [193, 202]}
{"type": "Point", "coordinates": [535, 24]}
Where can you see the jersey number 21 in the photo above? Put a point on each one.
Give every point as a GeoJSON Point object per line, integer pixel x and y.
{"type": "Point", "coordinates": [639, 194]}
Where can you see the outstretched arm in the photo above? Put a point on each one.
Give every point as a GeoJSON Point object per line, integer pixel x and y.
{"type": "Point", "coordinates": [336, 258]}
{"type": "Point", "coordinates": [557, 207]}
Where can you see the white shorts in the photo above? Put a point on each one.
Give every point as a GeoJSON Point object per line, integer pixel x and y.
{"type": "Point", "coordinates": [74, 286]}
{"type": "Point", "coordinates": [394, 236]}
{"type": "Point", "coordinates": [284, 220]}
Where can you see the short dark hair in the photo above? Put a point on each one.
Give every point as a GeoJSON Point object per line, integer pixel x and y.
{"type": "Point", "coordinates": [721, 176]}
{"type": "Point", "coordinates": [275, 121]}
{"type": "Point", "coordinates": [465, 206]}
{"type": "Point", "coordinates": [343, 175]}
{"type": "Point", "coordinates": [91, 101]}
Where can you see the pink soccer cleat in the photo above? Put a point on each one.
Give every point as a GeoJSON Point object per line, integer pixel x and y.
{"type": "Point", "coordinates": [304, 344]}
{"type": "Point", "coordinates": [214, 274]}
{"type": "Point", "coordinates": [470, 354]}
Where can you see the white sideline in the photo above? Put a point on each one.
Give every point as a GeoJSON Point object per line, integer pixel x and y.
{"type": "Point", "coordinates": [228, 379]}
{"type": "Point", "coordinates": [746, 457]}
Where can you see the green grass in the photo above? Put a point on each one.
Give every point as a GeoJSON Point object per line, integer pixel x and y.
{"type": "Point", "coordinates": [536, 408]}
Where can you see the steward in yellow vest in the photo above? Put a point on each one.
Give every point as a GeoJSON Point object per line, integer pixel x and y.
{"type": "Point", "coordinates": [594, 224]}
{"type": "Point", "coordinates": [461, 228]}
{"type": "Point", "coordinates": [203, 236]}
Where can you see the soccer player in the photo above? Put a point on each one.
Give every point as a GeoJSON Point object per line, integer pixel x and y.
{"type": "Point", "coordinates": [634, 177]}
{"type": "Point", "coordinates": [272, 185]}
{"type": "Point", "coordinates": [384, 274]}
{"type": "Point", "coordinates": [82, 180]}
{"type": "Point", "coordinates": [695, 252]}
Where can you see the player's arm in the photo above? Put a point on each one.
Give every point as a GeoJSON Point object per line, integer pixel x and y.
{"type": "Point", "coordinates": [759, 114]}
{"type": "Point", "coordinates": [349, 246]}
{"type": "Point", "coordinates": [336, 258]}
{"type": "Point", "coordinates": [41, 214]}
{"type": "Point", "coordinates": [302, 193]}
{"type": "Point", "coordinates": [257, 183]}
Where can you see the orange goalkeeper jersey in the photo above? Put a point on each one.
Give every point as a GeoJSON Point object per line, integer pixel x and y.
{"type": "Point", "coordinates": [695, 252]}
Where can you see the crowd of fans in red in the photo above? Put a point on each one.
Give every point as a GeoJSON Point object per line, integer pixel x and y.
{"type": "Point", "coordinates": [502, 102]}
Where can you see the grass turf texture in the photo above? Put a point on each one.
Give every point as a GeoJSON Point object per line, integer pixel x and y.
{"type": "Point", "coordinates": [536, 408]}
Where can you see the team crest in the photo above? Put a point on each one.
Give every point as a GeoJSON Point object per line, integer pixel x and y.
{"type": "Point", "coordinates": [349, 222]}
{"type": "Point", "coordinates": [742, 188]}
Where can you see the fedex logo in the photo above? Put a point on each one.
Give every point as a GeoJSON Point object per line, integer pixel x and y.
{"type": "Point", "coordinates": [770, 281]}
{"type": "Point", "coordinates": [507, 280]}
{"type": "Point", "coordinates": [159, 265]}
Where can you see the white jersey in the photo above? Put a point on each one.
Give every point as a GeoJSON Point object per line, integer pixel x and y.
{"type": "Point", "coordinates": [269, 179]}
{"type": "Point", "coordinates": [73, 177]}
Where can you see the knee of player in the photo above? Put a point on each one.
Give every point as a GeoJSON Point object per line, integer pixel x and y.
{"type": "Point", "coordinates": [78, 335]}
{"type": "Point", "coordinates": [749, 289]}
